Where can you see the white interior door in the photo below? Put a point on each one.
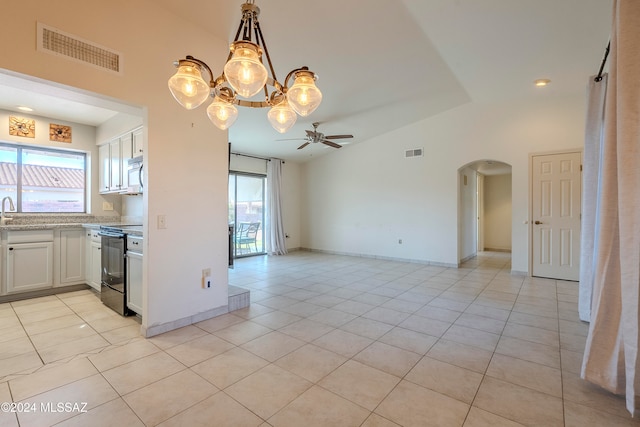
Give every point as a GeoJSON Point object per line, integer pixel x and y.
{"type": "Point", "coordinates": [556, 199]}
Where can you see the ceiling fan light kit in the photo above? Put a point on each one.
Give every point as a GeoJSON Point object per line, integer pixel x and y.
{"type": "Point", "coordinates": [243, 77]}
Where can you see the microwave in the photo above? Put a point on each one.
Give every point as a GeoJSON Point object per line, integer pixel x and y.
{"type": "Point", "coordinates": [135, 175]}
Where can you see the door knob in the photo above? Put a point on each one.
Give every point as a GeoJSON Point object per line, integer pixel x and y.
{"type": "Point", "coordinates": [537, 223]}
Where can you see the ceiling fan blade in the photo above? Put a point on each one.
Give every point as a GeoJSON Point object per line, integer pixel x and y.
{"type": "Point", "coordinates": [338, 136]}
{"type": "Point", "coordinates": [303, 145]}
{"type": "Point", "coordinates": [331, 144]}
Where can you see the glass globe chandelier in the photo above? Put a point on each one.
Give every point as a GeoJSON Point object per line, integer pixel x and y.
{"type": "Point", "coordinates": [243, 77]}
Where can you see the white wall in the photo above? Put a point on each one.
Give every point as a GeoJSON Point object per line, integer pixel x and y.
{"type": "Point", "coordinates": [291, 200]}
{"type": "Point", "coordinates": [362, 199]}
{"type": "Point", "coordinates": [497, 210]}
{"type": "Point", "coordinates": [185, 156]}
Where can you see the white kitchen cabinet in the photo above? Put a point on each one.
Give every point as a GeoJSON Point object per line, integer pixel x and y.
{"type": "Point", "coordinates": [96, 265]}
{"type": "Point", "coordinates": [134, 282]}
{"type": "Point", "coordinates": [114, 158]}
{"type": "Point", "coordinates": [87, 255]}
{"type": "Point", "coordinates": [115, 153]}
{"type": "Point", "coordinates": [104, 155]}
{"type": "Point", "coordinates": [136, 143]}
{"type": "Point", "coordinates": [29, 266]}
{"type": "Point", "coordinates": [93, 261]}
{"type": "Point", "coordinates": [72, 257]}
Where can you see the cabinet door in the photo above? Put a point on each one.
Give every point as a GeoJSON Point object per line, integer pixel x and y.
{"type": "Point", "coordinates": [116, 165]}
{"type": "Point", "coordinates": [87, 257]}
{"type": "Point", "coordinates": [29, 266]}
{"type": "Point", "coordinates": [105, 168]}
{"type": "Point", "coordinates": [137, 143]}
{"type": "Point", "coordinates": [71, 256]}
{"type": "Point", "coordinates": [126, 154]}
{"type": "Point", "coordinates": [96, 265]}
{"type": "Point", "coordinates": [134, 282]}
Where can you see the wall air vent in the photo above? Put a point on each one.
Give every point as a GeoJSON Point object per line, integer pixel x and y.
{"type": "Point", "coordinates": [54, 41]}
{"type": "Point", "coordinates": [414, 152]}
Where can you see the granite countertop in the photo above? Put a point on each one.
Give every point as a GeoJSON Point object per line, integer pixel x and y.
{"type": "Point", "coordinates": [66, 225]}
{"type": "Point", "coordinates": [19, 227]}
{"type": "Point", "coordinates": [47, 222]}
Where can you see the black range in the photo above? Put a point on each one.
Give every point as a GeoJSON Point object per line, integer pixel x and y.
{"type": "Point", "coordinates": [113, 286]}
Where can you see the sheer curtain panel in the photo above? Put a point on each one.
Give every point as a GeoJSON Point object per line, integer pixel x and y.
{"type": "Point", "coordinates": [276, 242]}
{"type": "Point", "coordinates": [590, 191]}
{"type": "Point", "coordinates": [611, 352]}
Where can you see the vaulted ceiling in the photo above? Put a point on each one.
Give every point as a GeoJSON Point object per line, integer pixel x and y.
{"type": "Point", "coordinates": [384, 64]}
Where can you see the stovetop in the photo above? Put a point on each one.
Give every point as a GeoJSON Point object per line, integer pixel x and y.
{"type": "Point", "coordinates": [122, 227]}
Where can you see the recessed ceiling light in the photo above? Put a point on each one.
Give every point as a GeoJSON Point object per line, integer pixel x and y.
{"type": "Point", "coordinates": [21, 108]}
{"type": "Point", "coordinates": [542, 82]}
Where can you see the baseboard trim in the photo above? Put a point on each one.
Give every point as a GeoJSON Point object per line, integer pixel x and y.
{"type": "Point", "coordinates": [181, 323]}
{"type": "Point", "coordinates": [43, 293]}
{"type": "Point", "coordinates": [385, 258]}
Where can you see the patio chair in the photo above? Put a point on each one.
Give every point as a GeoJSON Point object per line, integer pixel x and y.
{"type": "Point", "coordinates": [247, 236]}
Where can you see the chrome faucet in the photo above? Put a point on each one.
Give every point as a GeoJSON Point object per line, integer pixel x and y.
{"type": "Point", "coordinates": [3, 218]}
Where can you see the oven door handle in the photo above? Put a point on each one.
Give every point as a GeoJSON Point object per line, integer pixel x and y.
{"type": "Point", "coordinates": [108, 234]}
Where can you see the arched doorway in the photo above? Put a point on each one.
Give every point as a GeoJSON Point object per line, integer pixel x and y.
{"type": "Point", "coordinates": [484, 208]}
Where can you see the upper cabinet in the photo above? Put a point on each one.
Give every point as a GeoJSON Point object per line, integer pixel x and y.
{"type": "Point", "coordinates": [114, 157]}
{"type": "Point", "coordinates": [136, 143]}
{"type": "Point", "coordinates": [104, 154]}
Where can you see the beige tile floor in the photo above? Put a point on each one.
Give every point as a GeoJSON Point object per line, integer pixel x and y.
{"type": "Point", "coordinates": [327, 341]}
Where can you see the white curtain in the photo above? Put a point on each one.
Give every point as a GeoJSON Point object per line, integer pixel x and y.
{"type": "Point", "coordinates": [276, 243]}
{"type": "Point", "coordinates": [590, 191]}
{"type": "Point", "coordinates": [611, 353]}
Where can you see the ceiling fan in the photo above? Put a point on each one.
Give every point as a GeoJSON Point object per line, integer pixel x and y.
{"type": "Point", "coordinates": [314, 136]}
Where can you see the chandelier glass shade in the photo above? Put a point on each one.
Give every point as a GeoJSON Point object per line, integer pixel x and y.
{"type": "Point", "coordinates": [244, 71]}
{"type": "Point", "coordinates": [282, 116]}
{"type": "Point", "coordinates": [222, 113]}
{"type": "Point", "coordinates": [304, 96]}
{"type": "Point", "coordinates": [188, 87]}
{"type": "Point", "coordinates": [244, 77]}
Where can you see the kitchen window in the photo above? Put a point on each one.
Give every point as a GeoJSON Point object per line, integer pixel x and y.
{"type": "Point", "coordinates": [43, 180]}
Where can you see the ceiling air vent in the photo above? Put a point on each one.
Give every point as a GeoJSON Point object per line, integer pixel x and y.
{"type": "Point", "coordinates": [52, 40]}
{"type": "Point", "coordinates": [414, 152]}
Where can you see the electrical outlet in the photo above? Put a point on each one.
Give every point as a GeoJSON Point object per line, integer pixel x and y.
{"type": "Point", "coordinates": [206, 278]}
{"type": "Point", "coordinates": [107, 206]}
{"type": "Point", "coordinates": [162, 221]}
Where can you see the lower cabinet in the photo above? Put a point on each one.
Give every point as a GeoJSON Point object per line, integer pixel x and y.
{"type": "Point", "coordinates": [72, 257]}
{"type": "Point", "coordinates": [96, 263]}
{"type": "Point", "coordinates": [29, 266]}
{"type": "Point", "coordinates": [134, 281]}
{"type": "Point", "coordinates": [93, 259]}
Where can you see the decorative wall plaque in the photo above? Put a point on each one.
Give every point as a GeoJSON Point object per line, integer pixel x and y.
{"type": "Point", "coordinates": [59, 133]}
{"type": "Point", "coordinates": [19, 126]}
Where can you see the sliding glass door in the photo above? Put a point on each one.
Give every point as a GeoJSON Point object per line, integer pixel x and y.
{"type": "Point", "coordinates": [246, 213]}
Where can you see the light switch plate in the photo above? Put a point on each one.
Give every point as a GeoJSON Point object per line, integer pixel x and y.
{"type": "Point", "coordinates": [107, 206]}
